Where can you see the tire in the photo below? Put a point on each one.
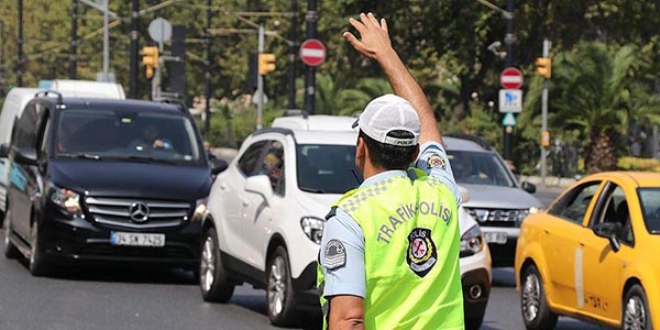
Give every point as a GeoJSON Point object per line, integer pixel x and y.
{"type": "Point", "coordinates": [533, 304]}
{"type": "Point", "coordinates": [280, 301]}
{"type": "Point", "coordinates": [635, 310]}
{"type": "Point", "coordinates": [213, 281]}
{"type": "Point", "coordinates": [38, 262]}
{"type": "Point", "coordinates": [11, 251]}
{"type": "Point", "coordinates": [474, 323]}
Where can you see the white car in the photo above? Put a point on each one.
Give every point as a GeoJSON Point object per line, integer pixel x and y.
{"type": "Point", "coordinates": [266, 215]}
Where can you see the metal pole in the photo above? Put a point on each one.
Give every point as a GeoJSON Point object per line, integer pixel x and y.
{"type": "Point", "coordinates": [207, 74]}
{"type": "Point", "coordinates": [73, 57]}
{"type": "Point", "coordinates": [509, 40]}
{"type": "Point", "coordinates": [310, 73]}
{"type": "Point", "coordinates": [19, 66]}
{"type": "Point", "coordinates": [106, 42]}
{"type": "Point", "coordinates": [260, 80]}
{"type": "Point", "coordinates": [135, 52]}
{"type": "Point", "coordinates": [544, 114]}
{"type": "Point", "coordinates": [293, 36]}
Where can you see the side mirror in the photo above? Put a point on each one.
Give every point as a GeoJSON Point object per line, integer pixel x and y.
{"type": "Point", "coordinates": [609, 230]}
{"type": "Point", "coordinates": [27, 156]}
{"type": "Point", "coordinates": [528, 187]}
{"type": "Point", "coordinates": [4, 150]}
{"type": "Point", "coordinates": [465, 195]}
{"type": "Point", "coordinates": [218, 165]}
{"type": "Point", "coordinates": [259, 184]}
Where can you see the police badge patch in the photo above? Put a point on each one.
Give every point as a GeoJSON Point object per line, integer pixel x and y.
{"type": "Point", "coordinates": [422, 254]}
{"type": "Point", "coordinates": [334, 255]}
{"type": "Point", "coordinates": [435, 161]}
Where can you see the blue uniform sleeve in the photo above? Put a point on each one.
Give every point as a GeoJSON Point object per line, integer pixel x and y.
{"type": "Point", "coordinates": [434, 162]}
{"type": "Point", "coordinates": [342, 257]}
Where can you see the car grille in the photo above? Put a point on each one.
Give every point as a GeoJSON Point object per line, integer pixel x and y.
{"type": "Point", "coordinates": [498, 217]}
{"type": "Point", "coordinates": [167, 252]}
{"type": "Point", "coordinates": [117, 212]}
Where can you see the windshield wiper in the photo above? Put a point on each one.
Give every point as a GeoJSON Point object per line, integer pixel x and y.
{"type": "Point", "coordinates": [85, 156]}
{"type": "Point", "coordinates": [151, 159]}
{"type": "Point", "coordinates": [313, 190]}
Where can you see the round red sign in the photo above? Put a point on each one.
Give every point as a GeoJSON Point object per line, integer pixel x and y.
{"type": "Point", "coordinates": [511, 78]}
{"type": "Point", "coordinates": [312, 52]}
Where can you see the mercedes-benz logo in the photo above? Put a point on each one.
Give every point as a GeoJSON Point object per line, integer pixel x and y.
{"type": "Point", "coordinates": [139, 211]}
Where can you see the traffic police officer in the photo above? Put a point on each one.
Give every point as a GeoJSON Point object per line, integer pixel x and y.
{"type": "Point", "coordinates": [389, 258]}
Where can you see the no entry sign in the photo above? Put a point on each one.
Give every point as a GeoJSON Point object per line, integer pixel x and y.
{"type": "Point", "coordinates": [312, 52]}
{"type": "Point", "coordinates": [511, 78]}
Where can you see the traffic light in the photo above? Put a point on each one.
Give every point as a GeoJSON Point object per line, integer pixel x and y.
{"type": "Point", "coordinates": [266, 63]}
{"type": "Point", "coordinates": [150, 59]}
{"type": "Point", "coordinates": [544, 67]}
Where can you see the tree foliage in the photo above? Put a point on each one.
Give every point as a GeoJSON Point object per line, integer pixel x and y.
{"type": "Point", "coordinates": [606, 58]}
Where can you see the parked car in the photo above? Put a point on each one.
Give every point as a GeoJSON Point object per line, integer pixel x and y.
{"type": "Point", "coordinates": [82, 189]}
{"type": "Point", "coordinates": [590, 255]}
{"type": "Point", "coordinates": [497, 200]}
{"type": "Point", "coordinates": [18, 97]}
{"type": "Point", "coordinates": [267, 214]}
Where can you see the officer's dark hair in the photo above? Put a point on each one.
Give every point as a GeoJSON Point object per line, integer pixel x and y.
{"type": "Point", "coordinates": [387, 156]}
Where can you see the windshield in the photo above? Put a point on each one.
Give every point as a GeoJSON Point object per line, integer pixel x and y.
{"type": "Point", "coordinates": [122, 134]}
{"type": "Point", "coordinates": [482, 168]}
{"type": "Point", "coordinates": [650, 200]}
{"type": "Point", "coordinates": [324, 168]}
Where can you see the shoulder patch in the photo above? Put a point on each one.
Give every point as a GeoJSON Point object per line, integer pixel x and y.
{"type": "Point", "coordinates": [435, 161]}
{"type": "Point", "coordinates": [334, 255]}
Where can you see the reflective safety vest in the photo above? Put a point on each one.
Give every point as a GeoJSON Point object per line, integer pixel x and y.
{"type": "Point", "coordinates": [411, 253]}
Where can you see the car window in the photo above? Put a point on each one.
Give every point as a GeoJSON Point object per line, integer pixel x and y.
{"type": "Point", "coordinates": [573, 206]}
{"type": "Point", "coordinates": [25, 130]}
{"type": "Point", "coordinates": [273, 165]}
{"type": "Point", "coordinates": [613, 208]}
{"type": "Point", "coordinates": [123, 133]}
{"type": "Point", "coordinates": [650, 200]}
{"type": "Point", "coordinates": [326, 168]}
{"type": "Point", "coordinates": [248, 161]}
{"type": "Point", "coordinates": [480, 168]}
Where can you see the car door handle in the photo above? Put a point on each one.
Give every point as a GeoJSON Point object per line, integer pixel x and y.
{"type": "Point", "coordinates": [223, 186]}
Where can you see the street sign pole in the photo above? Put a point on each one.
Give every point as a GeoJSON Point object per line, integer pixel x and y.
{"type": "Point", "coordinates": [260, 81]}
{"type": "Point", "coordinates": [544, 114]}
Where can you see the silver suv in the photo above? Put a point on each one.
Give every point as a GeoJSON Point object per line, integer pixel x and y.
{"type": "Point", "coordinates": [498, 201]}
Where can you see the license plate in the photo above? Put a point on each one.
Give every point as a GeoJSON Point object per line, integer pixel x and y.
{"type": "Point", "coordinates": [137, 239]}
{"type": "Point", "coordinates": [497, 238]}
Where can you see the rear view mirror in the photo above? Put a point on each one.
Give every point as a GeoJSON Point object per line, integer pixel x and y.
{"type": "Point", "coordinates": [27, 156]}
{"type": "Point", "coordinates": [259, 184]}
{"type": "Point", "coordinates": [528, 187]}
{"type": "Point", "coordinates": [217, 165]}
{"type": "Point", "coordinates": [4, 150]}
{"type": "Point", "coordinates": [609, 230]}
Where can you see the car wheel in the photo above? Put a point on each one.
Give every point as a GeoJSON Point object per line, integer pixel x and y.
{"type": "Point", "coordinates": [213, 281]}
{"type": "Point", "coordinates": [535, 312]}
{"type": "Point", "coordinates": [635, 313]}
{"type": "Point", "coordinates": [279, 292]}
{"type": "Point", "coordinates": [39, 265]}
{"type": "Point", "coordinates": [11, 252]}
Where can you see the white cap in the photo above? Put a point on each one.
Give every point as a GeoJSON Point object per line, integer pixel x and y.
{"type": "Point", "coordinates": [386, 114]}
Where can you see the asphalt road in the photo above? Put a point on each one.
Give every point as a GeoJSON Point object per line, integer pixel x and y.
{"type": "Point", "coordinates": [130, 298]}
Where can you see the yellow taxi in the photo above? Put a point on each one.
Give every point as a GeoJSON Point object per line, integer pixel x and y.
{"type": "Point", "coordinates": [594, 254]}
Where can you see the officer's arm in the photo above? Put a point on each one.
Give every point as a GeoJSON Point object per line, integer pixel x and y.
{"type": "Point", "coordinates": [375, 43]}
{"type": "Point", "coordinates": [346, 313]}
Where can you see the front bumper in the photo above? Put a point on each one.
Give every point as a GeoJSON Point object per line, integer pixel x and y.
{"type": "Point", "coordinates": [476, 290]}
{"type": "Point", "coordinates": [79, 240]}
{"type": "Point", "coordinates": [503, 253]}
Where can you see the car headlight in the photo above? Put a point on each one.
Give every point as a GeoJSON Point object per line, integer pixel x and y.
{"type": "Point", "coordinates": [313, 228]}
{"type": "Point", "coordinates": [200, 209]}
{"type": "Point", "coordinates": [66, 199]}
{"type": "Point", "coordinates": [472, 242]}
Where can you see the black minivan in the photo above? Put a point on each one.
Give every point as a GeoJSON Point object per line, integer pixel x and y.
{"type": "Point", "coordinates": [105, 180]}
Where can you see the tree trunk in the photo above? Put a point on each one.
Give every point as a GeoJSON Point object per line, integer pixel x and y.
{"type": "Point", "coordinates": [600, 153]}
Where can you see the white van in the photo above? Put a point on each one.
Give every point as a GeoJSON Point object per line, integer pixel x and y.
{"type": "Point", "coordinates": [88, 88]}
{"type": "Point", "coordinates": [18, 97]}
